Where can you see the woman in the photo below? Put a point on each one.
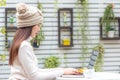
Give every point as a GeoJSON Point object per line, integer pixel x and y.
{"type": "Point", "coordinates": [22, 58]}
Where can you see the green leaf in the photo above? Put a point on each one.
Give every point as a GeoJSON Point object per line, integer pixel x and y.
{"type": "Point", "coordinates": [108, 18]}
{"type": "Point", "coordinates": [51, 62]}
{"type": "Point", "coordinates": [3, 30]}
{"type": "Point", "coordinates": [2, 2]}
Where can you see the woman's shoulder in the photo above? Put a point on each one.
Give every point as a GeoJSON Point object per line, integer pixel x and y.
{"type": "Point", "coordinates": [25, 44]}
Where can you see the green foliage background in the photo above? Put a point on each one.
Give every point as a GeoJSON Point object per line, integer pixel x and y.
{"type": "Point", "coordinates": [2, 2]}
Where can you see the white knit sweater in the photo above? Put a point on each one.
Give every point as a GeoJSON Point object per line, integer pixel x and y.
{"type": "Point", "coordinates": [25, 66]}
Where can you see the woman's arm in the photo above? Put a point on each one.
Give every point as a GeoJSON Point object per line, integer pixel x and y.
{"type": "Point", "coordinates": [26, 58]}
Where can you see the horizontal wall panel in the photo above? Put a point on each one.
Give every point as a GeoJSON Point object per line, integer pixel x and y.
{"type": "Point", "coordinates": [69, 57]}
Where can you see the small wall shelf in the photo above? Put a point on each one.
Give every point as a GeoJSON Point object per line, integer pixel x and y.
{"type": "Point", "coordinates": [65, 27]}
{"type": "Point", "coordinates": [112, 35]}
{"type": "Point", "coordinates": [10, 25]}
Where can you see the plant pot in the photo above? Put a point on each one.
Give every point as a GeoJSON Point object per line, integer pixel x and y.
{"type": "Point", "coordinates": [35, 45]}
{"type": "Point", "coordinates": [8, 44]}
{"type": "Point", "coordinates": [66, 42]}
{"type": "Point", "coordinates": [111, 34]}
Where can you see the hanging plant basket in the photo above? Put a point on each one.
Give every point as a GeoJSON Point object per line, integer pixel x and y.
{"type": "Point", "coordinates": [35, 45]}
{"type": "Point", "coordinates": [108, 21]}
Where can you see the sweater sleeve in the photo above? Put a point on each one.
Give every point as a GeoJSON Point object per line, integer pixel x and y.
{"type": "Point", "coordinates": [26, 58]}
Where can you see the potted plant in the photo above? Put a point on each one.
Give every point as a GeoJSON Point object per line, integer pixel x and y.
{"type": "Point", "coordinates": [99, 61]}
{"type": "Point", "coordinates": [111, 33]}
{"type": "Point", "coordinates": [83, 28]}
{"type": "Point", "coordinates": [11, 20]}
{"type": "Point", "coordinates": [108, 21]}
{"type": "Point", "coordinates": [51, 62]}
{"type": "Point", "coordinates": [38, 39]}
{"type": "Point", "coordinates": [65, 18]}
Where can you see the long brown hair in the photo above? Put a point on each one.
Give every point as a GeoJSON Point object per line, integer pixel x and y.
{"type": "Point", "coordinates": [21, 35]}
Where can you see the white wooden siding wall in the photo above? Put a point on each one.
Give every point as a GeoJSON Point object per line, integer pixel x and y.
{"type": "Point", "coordinates": [50, 45]}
